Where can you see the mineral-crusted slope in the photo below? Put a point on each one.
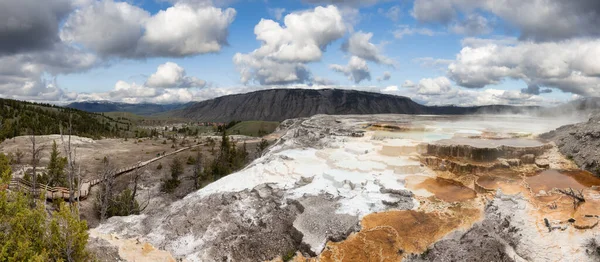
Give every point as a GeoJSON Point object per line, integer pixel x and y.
{"type": "Point", "coordinates": [333, 188]}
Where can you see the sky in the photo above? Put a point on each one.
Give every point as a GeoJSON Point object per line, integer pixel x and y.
{"type": "Point", "coordinates": [437, 52]}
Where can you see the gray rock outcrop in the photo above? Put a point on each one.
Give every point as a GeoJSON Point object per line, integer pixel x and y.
{"type": "Point", "coordinates": [579, 142]}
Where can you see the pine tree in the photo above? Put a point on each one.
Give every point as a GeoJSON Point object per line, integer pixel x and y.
{"type": "Point", "coordinates": [56, 168]}
{"type": "Point", "coordinates": [172, 183]}
{"type": "Point", "coordinates": [68, 235]}
{"type": "Point", "coordinates": [5, 170]}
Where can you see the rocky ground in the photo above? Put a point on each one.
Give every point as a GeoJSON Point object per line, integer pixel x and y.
{"type": "Point", "coordinates": [579, 142]}
{"type": "Point", "coordinates": [381, 188]}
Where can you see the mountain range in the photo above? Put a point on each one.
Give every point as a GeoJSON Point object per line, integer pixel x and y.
{"type": "Point", "coordinates": [281, 104]}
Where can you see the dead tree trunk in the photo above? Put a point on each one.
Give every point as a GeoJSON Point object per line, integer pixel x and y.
{"type": "Point", "coordinates": [197, 170]}
{"type": "Point", "coordinates": [105, 194]}
{"type": "Point", "coordinates": [137, 173]}
{"type": "Point", "coordinates": [71, 155]}
{"type": "Point", "coordinates": [35, 158]}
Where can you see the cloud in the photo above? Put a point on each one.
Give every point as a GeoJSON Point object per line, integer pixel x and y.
{"type": "Point", "coordinates": [474, 24]}
{"type": "Point", "coordinates": [539, 20]}
{"type": "Point", "coordinates": [169, 84]}
{"type": "Point", "coordinates": [277, 13]}
{"type": "Point", "coordinates": [439, 91]}
{"type": "Point", "coordinates": [569, 65]}
{"type": "Point", "coordinates": [171, 75]}
{"type": "Point", "coordinates": [408, 84]}
{"type": "Point", "coordinates": [359, 45]}
{"type": "Point", "coordinates": [356, 70]}
{"type": "Point", "coordinates": [269, 72]}
{"type": "Point", "coordinates": [344, 2]}
{"type": "Point", "coordinates": [534, 89]}
{"type": "Point", "coordinates": [390, 89]}
{"type": "Point", "coordinates": [385, 77]}
{"type": "Point", "coordinates": [406, 30]}
{"type": "Point", "coordinates": [434, 86]}
{"type": "Point", "coordinates": [393, 13]}
{"type": "Point", "coordinates": [434, 11]}
{"type": "Point", "coordinates": [285, 49]}
{"type": "Point", "coordinates": [201, 3]}
{"type": "Point", "coordinates": [31, 75]}
{"type": "Point", "coordinates": [123, 30]}
{"type": "Point", "coordinates": [361, 49]}
{"type": "Point", "coordinates": [317, 80]}
{"type": "Point", "coordinates": [28, 25]}
{"type": "Point", "coordinates": [431, 62]}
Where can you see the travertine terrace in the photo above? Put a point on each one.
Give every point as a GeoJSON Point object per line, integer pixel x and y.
{"type": "Point", "coordinates": [385, 188]}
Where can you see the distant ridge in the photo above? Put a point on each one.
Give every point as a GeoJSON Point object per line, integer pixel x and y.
{"type": "Point", "coordinates": [282, 104]}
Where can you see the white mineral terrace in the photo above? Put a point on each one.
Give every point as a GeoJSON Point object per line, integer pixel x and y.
{"type": "Point", "coordinates": [357, 172]}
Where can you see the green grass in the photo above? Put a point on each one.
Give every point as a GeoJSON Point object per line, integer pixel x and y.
{"type": "Point", "coordinates": [144, 120]}
{"type": "Point", "coordinates": [253, 128]}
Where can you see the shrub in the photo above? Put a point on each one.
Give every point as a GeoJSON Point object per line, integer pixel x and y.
{"type": "Point", "coordinates": [159, 167]}
{"type": "Point", "coordinates": [124, 205]}
{"type": "Point", "coordinates": [190, 160]}
{"type": "Point", "coordinates": [172, 183]}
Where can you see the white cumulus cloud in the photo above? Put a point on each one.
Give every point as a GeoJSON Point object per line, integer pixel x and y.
{"type": "Point", "coordinates": [285, 49]}
{"type": "Point", "coordinates": [121, 29]}
{"type": "Point", "coordinates": [171, 75]}
{"type": "Point", "coordinates": [357, 69]}
{"type": "Point", "coordinates": [569, 65]}
{"type": "Point", "coordinates": [359, 44]}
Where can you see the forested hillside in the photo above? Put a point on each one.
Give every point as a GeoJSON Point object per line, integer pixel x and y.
{"type": "Point", "coordinates": [22, 118]}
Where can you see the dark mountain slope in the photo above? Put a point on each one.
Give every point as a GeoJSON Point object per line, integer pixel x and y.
{"type": "Point", "coordinates": [281, 104]}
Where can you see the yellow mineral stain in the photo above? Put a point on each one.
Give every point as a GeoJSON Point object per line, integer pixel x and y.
{"type": "Point", "coordinates": [134, 250]}
{"type": "Point", "coordinates": [394, 127]}
{"type": "Point", "coordinates": [387, 236]}
{"type": "Point", "coordinates": [587, 214]}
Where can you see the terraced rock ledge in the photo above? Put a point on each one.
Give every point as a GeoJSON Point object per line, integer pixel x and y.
{"type": "Point", "coordinates": [348, 188]}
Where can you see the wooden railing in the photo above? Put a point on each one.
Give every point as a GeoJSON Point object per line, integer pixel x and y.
{"type": "Point", "coordinates": [51, 193]}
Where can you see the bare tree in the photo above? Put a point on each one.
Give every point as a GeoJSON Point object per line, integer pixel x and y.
{"type": "Point", "coordinates": [576, 195]}
{"type": "Point", "coordinates": [71, 159]}
{"type": "Point", "coordinates": [18, 156]}
{"type": "Point", "coordinates": [36, 150]}
{"type": "Point", "coordinates": [105, 194]}
{"type": "Point", "coordinates": [137, 174]}
{"type": "Point", "coordinates": [197, 169]}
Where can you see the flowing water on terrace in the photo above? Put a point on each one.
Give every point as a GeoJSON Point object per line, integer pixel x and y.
{"type": "Point", "coordinates": [447, 190]}
{"type": "Point", "coordinates": [549, 179]}
{"type": "Point", "coordinates": [505, 179]}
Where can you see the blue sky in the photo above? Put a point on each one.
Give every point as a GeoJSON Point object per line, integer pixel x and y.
{"type": "Point", "coordinates": [436, 52]}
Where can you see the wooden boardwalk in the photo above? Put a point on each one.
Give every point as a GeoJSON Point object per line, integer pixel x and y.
{"type": "Point", "coordinates": [51, 193]}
